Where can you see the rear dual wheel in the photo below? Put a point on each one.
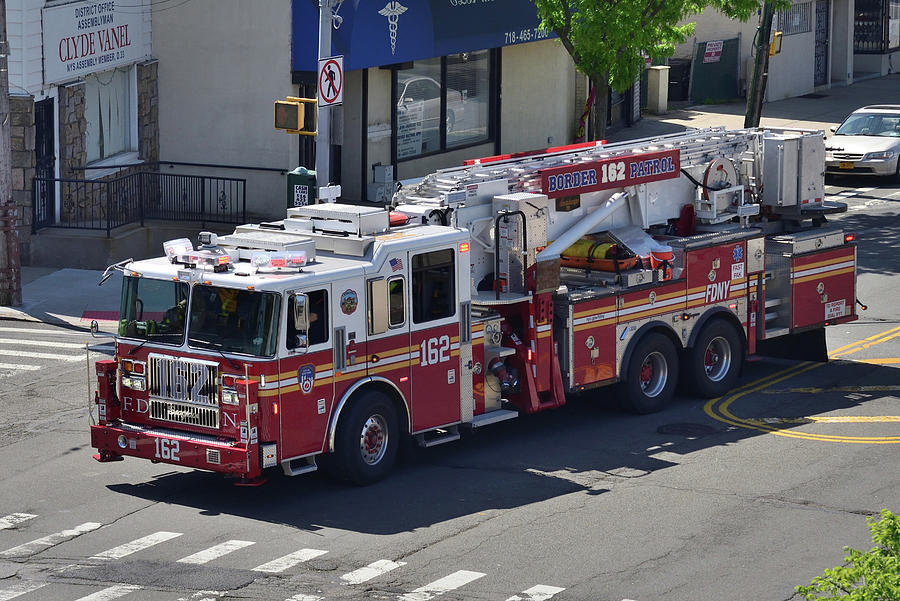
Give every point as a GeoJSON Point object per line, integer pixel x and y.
{"type": "Point", "coordinates": [651, 375]}
{"type": "Point", "coordinates": [712, 365]}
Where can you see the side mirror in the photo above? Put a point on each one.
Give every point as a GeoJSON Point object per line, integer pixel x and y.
{"type": "Point", "coordinates": [832, 129]}
{"type": "Point", "coordinates": [301, 312]}
{"type": "Point", "coordinates": [96, 333]}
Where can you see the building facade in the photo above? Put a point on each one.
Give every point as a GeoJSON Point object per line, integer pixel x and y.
{"type": "Point", "coordinates": [83, 95]}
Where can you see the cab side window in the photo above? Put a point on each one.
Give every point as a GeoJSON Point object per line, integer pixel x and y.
{"type": "Point", "coordinates": [318, 320]}
{"type": "Point", "coordinates": [434, 293]}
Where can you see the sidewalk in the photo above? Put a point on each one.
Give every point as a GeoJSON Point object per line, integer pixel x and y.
{"type": "Point", "coordinates": [71, 296]}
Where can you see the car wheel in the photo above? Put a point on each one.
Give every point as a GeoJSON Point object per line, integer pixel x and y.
{"type": "Point", "coordinates": [897, 172]}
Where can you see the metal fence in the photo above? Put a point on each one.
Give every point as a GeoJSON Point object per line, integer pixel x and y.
{"type": "Point", "coordinates": [108, 204]}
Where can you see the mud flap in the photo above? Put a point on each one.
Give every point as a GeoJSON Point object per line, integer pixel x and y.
{"type": "Point", "coordinates": [804, 346]}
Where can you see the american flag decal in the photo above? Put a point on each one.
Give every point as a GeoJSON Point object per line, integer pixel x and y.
{"type": "Point", "coordinates": [396, 264]}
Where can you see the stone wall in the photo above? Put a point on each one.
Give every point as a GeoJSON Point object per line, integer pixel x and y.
{"type": "Point", "coordinates": [148, 111]}
{"type": "Point", "coordinates": [72, 127]}
{"type": "Point", "coordinates": [21, 141]}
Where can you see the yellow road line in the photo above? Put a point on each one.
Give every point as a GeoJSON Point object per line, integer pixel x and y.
{"type": "Point", "coordinates": [890, 361]}
{"type": "Point", "coordinates": [721, 412]}
{"type": "Point", "coordinates": [817, 390]}
{"type": "Point", "coordinates": [865, 343]}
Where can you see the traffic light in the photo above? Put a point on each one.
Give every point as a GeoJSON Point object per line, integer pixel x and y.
{"type": "Point", "coordinates": [291, 115]}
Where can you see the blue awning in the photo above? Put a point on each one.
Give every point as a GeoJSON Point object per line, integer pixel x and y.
{"type": "Point", "coordinates": [383, 32]}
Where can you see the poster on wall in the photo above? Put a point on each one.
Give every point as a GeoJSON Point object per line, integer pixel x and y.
{"type": "Point", "coordinates": [87, 37]}
{"type": "Point", "coordinates": [409, 129]}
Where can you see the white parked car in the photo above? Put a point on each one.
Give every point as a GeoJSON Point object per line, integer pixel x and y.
{"type": "Point", "coordinates": [866, 143]}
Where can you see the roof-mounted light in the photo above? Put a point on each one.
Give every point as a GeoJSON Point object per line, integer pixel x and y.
{"type": "Point", "coordinates": [278, 260]}
{"type": "Point", "coordinates": [177, 248]}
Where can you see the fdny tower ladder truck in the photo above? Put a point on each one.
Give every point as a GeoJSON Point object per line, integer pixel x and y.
{"type": "Point", "coordinates": [482, 292]}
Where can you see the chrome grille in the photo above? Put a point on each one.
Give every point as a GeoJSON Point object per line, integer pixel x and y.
{"type": "Point", "coordinates": [846, 156]}
{"type": "Point", "coordinates": [183, 380]}
{"type": "Point", "coordinates": [184, 413]}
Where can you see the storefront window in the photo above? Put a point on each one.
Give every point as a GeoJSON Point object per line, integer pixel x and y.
{"type": "Point", "coordinates": [443, 103]}
{"type": "Point", "coordinates": [108, 112]}
{"type": "Point", "coordinates": [876, 26]}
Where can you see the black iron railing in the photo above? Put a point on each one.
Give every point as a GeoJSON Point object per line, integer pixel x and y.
{"type": "Point", "coordinates": [108, 204]}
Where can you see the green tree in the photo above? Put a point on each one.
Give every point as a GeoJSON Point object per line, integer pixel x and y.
{"type": "Point", "coordinates": [870, 576]}
{"type": "Point", "coordinates": [606, 38]}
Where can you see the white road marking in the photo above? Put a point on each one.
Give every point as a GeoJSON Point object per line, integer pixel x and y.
{"type": "Point", "coordinates": [44, 343]}
{"type": "Point", "coordinates": [18, 589]}
{"type": "Point", "coordinates": [83, 334]}
{"type": "Point", "coordinates": [19, 366]}
{"type": "Point", "coordinates": [541, 592]}
{"type": "Point", "coordinates": [288, 561]}
{"type": "Point", "coordinates": [40, 544]}
{"type": "Point", "coordinates": [31, 355]}
{"type": "Point", "coordinates": [137, 545]}
{"type": "Point", "coordinates": [113, 592]}
{"type": "Point", "coordinates": [377, 568]}
{"type": "Point", "coordinates": [216, 552]}
{"type": "Point", "coordinates": [442, 585]}
{"type": "Point", "coordinates": [13, 519]}
{"type": "Point", "coordinates": [302, 597]}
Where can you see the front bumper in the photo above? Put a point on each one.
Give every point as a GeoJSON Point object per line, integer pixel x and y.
{"type": "Point", "coordinates": [868, 167]}
{"type": "Point", "coordinates": [175, 447]}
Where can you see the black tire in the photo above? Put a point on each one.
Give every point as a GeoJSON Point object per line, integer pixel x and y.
{"type": "Point", "coordinates": [712, 365]}
{"type": "Point", "coordinates": [650, 376]}
{"type": "Point", "coordinates": [896, 177]}
{"type": "Point", "coordinates": [367, 440]}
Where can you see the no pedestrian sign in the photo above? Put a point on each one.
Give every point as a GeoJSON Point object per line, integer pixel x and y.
{"type": "Point", "coordinates": [331, 81]}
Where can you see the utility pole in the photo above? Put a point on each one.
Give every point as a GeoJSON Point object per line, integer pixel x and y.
{"type": "Point", "coordinates": [756, 91]}
{"type": "Point", "coordinates": [10, 282]}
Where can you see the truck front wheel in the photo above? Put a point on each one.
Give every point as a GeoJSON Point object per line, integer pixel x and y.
{"type": "Point", "coordinates": [713, 363]}
{"type": "Point", "coordinates": [650, 376]}
{"type": "Point", "coordinates": [367, 439]}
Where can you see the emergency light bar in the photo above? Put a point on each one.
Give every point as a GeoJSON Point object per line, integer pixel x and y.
{"type": "Point", "coordinates": [279, 260]}
{"type": "Point", "coordinates": [182, 251]}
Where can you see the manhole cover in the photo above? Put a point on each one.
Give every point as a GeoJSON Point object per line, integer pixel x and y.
{"type": "Point", "coordinates": [687, 430]}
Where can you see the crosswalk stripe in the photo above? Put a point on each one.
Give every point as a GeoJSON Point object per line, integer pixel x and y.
{"type": "Point", "coordinates": [302, 597]}
{"type": "Point", "coordinates": [43, 343]}
{"type": "Point", "coordinates": [19, 366]}
{"type": "Point", "coordinates": [541, 592]}
{"type": "Point", "coordinates": [18, 589]}
{"type": "Point", "coordinates": [40, 332]}
{"type": "Point", "coordinates": [38, 545]}
{"type": "Point", "coordinates": [288, 561]}
{"type": "Point", "coordinates": [112, 592]}
{"type": "Point", "coordinates": [377, 568]}
{"type": "Point", "coordinates": [32, 355]}
{"type": "Point", "coordinates": [11, 520]}
{"type": "Point", "coordinates": [215, 552]}
{"type": "Point", "coordinates": [137, 545]}
{"type": "Point", "coordinates": [442, 585]}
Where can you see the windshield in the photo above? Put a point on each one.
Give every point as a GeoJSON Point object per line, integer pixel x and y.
{"type": "Point", "coordinates": [232, 320]}
{"type": "Point", "coordinates": [884, 125]}
{"type": "Point", "coordinates": [153, 310]}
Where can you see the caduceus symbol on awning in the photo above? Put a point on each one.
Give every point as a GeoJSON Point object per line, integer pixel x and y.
{"type": "Point", "coordinates": [392, 10]}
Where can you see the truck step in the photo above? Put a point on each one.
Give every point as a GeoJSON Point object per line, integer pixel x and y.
{"type": "Point", "coordinates": [492, 417]}
{"type": "Point", "coordinates": [439, 436]}
{"type": "Point", "coordinates": [295, 467]}
{"type": "Point", "coordinates": [776, 332]}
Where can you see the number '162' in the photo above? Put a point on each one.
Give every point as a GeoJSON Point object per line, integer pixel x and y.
{"type": "Point", "coordinates": [434, 350]}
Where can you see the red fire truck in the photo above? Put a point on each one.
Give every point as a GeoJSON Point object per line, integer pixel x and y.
{"type": "Point", "coordinates": [482, 292]}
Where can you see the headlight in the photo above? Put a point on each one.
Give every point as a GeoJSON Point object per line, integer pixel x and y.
{"type": "Point", "coordinates": [230, 397]}
{"type": "Point", "coordinates": [134, 383]}
{"type": "Point", "coordinates": [879, 156]}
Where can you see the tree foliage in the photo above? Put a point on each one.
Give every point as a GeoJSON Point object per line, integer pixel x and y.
{"type": "Point", "coordinates": [607, 38]}
{"type": "Point", "coordinates": [870, 576]}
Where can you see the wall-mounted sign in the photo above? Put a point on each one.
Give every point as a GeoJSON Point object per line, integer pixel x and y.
{"type": "Point", "coordinates": [86, 37]}
{"type": "Point", "coordinates": [713, 51]}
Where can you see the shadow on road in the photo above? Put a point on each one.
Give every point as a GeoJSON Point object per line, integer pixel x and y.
{"type": "Point", "coordinates": [586, 446]}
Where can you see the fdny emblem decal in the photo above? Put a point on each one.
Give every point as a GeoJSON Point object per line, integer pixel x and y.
{"type": "Point", "coordinates": [349, 302]}
{"type": "Point", "coordinates": [717, 292]}
{"type": "Point", "coordinates": [738, 253]}
{"type": "Point", "coordinates": [306, 376]}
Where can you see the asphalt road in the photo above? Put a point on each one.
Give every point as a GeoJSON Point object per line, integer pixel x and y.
{"type": "Point", "coordinates": [741, 498]}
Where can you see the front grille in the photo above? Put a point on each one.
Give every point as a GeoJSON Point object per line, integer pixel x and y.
{"type": "Point", "coordinates": [847, 156]}
{"type": "Point", "coordinates": [184, 413]}
{"type": "Point", "coordinates": [183, 380]}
